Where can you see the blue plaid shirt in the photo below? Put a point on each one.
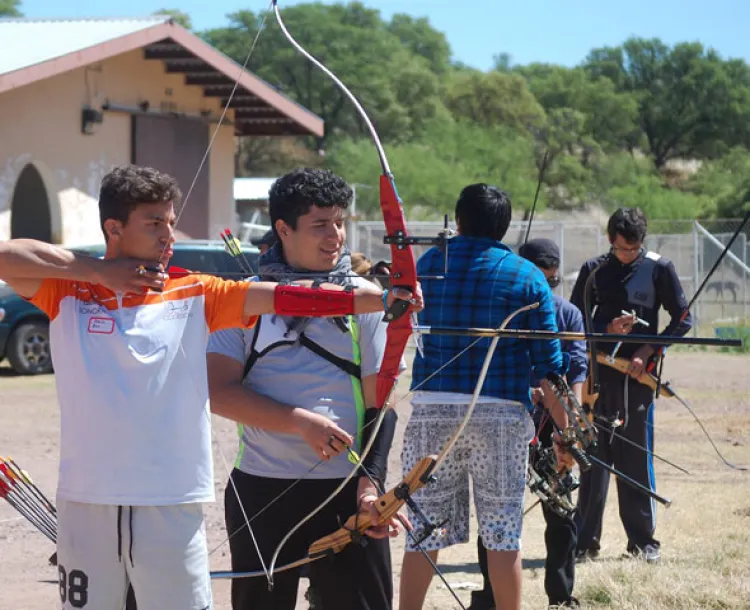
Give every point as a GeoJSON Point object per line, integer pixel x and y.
{"type": "Point", "coordinates": [485, 282]}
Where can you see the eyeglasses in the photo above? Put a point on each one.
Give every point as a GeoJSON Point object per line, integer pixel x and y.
{"type": "Point", "coordinates": [627, 250]}
{"type": "Point", "coordinates": [553, 281]}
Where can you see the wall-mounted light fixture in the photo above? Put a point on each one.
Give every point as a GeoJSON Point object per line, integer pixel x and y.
{"type": "Point", "coordinates": [90, 118]}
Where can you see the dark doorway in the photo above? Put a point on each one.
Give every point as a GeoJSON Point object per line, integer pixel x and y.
{"type": "Point", "coordinates": [176, 146]}
{"type": "Point", "coordinates": [29, 212]}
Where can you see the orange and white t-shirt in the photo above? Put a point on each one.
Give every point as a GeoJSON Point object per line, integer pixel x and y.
{"type": "Point", "coordinates": [132, 387]}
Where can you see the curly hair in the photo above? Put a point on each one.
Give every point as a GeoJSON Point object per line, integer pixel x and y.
{"type": "Point", "coordinates": [631, 223]}
{"type": "Point", "coordinates": [292, 195]}
{"type": "Point", "coordinates": [127, 186]}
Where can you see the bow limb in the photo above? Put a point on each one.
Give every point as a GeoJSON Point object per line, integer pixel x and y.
{"type": "Point", "coordinates": [665, 389]}
{"type": "Point", "coordinates": [403, 273]}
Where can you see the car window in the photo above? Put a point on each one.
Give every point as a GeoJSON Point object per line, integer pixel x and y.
{"type": "Point", "coordinates": [213, 260]}
{"type": "Point", "coordinates": [210, 261]}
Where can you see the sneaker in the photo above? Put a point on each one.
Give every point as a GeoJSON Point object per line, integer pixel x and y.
{"type": "Point", "coordinates": [571, 603]}
{"type": "Point", "coordinates": [586, 555]}
{"type": "Point", "coordinates": [649, 553]}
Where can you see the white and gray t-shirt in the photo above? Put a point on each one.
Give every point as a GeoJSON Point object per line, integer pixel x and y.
{"type": "Point", "coordinates": [292, 374]}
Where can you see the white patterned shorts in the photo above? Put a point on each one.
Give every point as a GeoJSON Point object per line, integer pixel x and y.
{"type": "Point", "coordinates": [493, 450]}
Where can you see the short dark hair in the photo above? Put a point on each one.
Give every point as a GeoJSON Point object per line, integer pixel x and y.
{"type": "Point", "coordinates": [127, 186]}
{"type": "Point", "coordinates": [483, 210]}
{"type": "Point", "coordinates": [631, 223]}
{"type": "Point", "coordinates": [292, 195]}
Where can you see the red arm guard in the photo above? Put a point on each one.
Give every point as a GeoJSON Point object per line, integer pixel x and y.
{"type": "Point", "coordinates": [290, 300]}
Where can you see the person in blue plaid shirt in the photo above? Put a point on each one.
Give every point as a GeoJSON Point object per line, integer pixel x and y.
{"type": "Point", "coordinates": [485, 282]}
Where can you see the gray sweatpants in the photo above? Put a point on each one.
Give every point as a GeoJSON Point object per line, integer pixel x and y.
{"type": "Point", "coordinates": [161, 550]}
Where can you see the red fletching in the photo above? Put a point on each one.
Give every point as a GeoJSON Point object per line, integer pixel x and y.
{"type": "Point", "coordinates": [4, 469]}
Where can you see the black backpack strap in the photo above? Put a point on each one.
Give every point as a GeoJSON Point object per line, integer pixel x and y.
{"type": "Point", "coordinates": [254, 355]}
{"type": "Point", "coordinates": [345, 365]}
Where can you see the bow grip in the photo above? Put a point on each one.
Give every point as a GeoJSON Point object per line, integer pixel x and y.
{"type": "Point", "coordinates": [399, 306]}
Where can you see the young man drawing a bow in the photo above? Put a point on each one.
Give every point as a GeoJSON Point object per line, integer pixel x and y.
{"type": "Point", "coordinates": [128, 345]}
{"type": "Point", "coordinates": [303, 390]}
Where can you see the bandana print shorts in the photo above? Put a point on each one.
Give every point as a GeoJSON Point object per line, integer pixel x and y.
{"type": "Point", "coordinates": [492, 452]}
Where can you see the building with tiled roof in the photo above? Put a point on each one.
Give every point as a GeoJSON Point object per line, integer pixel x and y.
{"type": "Point", "coordinates": [80, 96]}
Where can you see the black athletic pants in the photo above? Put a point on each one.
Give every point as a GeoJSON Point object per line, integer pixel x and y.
{"type": "Point", "coordinates": [637, 510]}
{"type": "Point", "coordinates": [358, 578]}
{"type": "Point", "coordinates": [560, 542]}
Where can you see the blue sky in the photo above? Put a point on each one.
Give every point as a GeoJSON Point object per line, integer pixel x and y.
{"type": "Point", "coordinates": [557, 31]}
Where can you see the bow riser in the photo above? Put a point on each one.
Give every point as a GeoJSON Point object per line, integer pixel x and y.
{"type": "Point", "coordinates": [404, 273]}
{"type": "Point", "coordinates": [387, 506]}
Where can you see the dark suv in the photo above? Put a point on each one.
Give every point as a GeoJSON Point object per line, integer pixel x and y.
{"type": "Point", "coordinates": [24, 329]}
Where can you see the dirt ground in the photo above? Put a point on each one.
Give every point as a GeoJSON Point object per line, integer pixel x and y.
{"type": "Point", "coordinates": [705, 534]}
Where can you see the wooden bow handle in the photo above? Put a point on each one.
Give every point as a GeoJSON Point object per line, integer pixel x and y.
{"type": "Point", "coordinates": [387, 505]}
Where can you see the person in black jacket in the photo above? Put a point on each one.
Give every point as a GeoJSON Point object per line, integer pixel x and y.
{"type": "Point", "coordinates": [628, 287]}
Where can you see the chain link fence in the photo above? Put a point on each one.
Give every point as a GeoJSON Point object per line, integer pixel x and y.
{"type": "Point", "coordinates": [693, 247]}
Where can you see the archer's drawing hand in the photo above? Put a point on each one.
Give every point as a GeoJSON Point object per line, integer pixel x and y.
{"type": "Point", "coordinates": [323, 436]}
{"type": "Point", "coordinates": [129, 275]}
{"type": "Point", "coordinates": [622, 325]}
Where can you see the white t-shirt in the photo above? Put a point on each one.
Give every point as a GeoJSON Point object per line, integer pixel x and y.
{"type": "Point", "coordinates": [295, 376]}
{"type": "Point", "coordinates": [132, 387]}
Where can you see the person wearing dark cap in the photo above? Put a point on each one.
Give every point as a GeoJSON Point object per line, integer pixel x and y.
{"type": "Point", "coordinates": [560, 536]}
{"type": "Point", "coordinates": [264, 242]}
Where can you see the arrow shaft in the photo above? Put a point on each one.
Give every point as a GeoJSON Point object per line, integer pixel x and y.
{"type": "Point", "coordinates": [510, 333]}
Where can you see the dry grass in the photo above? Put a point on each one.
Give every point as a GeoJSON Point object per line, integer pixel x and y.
{"type": "Point", "coordinates": [706, 532]}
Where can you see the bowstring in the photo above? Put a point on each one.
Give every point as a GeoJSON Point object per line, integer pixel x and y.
{"type": "Point", "coordinates": [185, 201]}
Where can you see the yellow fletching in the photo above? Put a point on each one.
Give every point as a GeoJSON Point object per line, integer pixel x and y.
{"type": "Point", "coordinates": [354, 457]}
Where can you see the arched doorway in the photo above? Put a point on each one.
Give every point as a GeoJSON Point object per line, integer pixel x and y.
{"type": "Point", "coordinates": [30, 208]}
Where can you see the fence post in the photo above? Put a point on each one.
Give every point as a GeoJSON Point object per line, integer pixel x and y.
{"type": "Point", "coordinates": [696, 277]}
{"type": "Point", "coordinates": [561, 247]}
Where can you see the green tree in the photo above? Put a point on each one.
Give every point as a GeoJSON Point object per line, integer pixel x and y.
{"type": "Point", "coordinates": [356, 45]}
{"type": "Point", "coordinates": [423, 40]}
{"type": "Point", "coordinates": [609, 116]}
{"type": "Point", "coordinates": [492, 99]}
{"type": "Point", "coordinates": [180, 17]}
{"type": "Point", "coordinates": [10, 8]}
{"type": "Point", "coordinates": [431, 172]}
{"type": "Point", "coordinates": [726, 183]}
{"type": "Point", "coordinates": [690, 101]}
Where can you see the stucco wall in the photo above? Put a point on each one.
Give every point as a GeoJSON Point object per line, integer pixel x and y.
{"type": "Point", "coordinates": [41, 124]}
